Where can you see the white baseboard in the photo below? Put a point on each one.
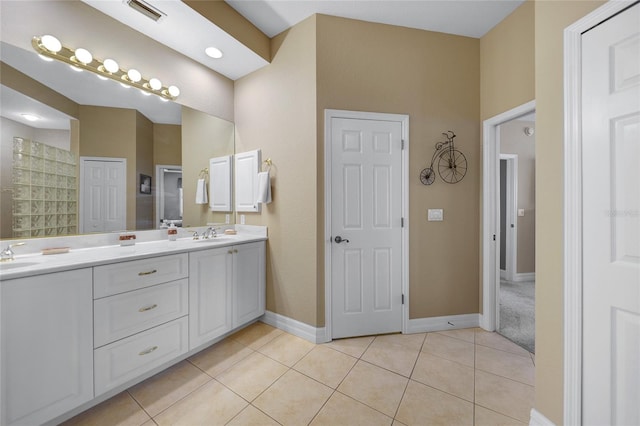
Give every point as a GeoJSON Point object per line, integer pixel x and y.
{"type": "Point", "coordinates": [538, 419]}
{"type": "Point", "coordinates": [450, 322]}
{"type": "Point", "coordinates": [484, 322]}
{"type": "Point", "coordinates": [295, 327]}
{"type": "Point", "coordinates": [524, 276]}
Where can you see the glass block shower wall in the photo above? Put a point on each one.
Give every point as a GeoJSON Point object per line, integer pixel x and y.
{"type": "Point", "coordinates": [44, 190]}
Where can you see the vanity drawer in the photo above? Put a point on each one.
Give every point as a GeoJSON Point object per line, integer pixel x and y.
{"type": "Point", "coordinates": [126, 276]}
{"type": "Point", "coordinates": [126, 359]}
{"type": "Point", "coordinates": [122, 315]}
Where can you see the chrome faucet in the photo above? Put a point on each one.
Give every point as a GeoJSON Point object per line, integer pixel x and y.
{"type": "Point", "coordinates": [6, 255]}
{"type": "Point", "coordinates": [210, 233]}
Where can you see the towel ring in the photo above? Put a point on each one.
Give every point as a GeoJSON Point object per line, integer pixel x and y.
{"type": "Point", "coordinates": [267, 163]}
{"type": "Point", "coordinates": [204, 173]}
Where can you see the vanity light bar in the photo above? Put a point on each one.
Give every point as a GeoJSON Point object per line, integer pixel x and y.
{"type": "Point", "coordinates": [50, 47]}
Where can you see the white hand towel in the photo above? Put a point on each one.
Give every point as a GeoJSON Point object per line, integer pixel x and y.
{"type": "Point", "coordinates": [264, 188]}
{"type": "Point", "coordinates": [201, 192]}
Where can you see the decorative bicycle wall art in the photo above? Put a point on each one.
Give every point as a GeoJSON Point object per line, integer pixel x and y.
{"type": "Point", "coordinates": [451, 163]}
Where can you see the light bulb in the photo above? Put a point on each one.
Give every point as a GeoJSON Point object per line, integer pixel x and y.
{"type": "Point", "coordinates": [111, 66]}
{"type": "Point", "coordinates": [83, 55]}
{"type": "Point", "coordinates": [174, 91]}
{"type": "Point", "coordinates": [155, 84]}
{"type": "Point", "coordinates": [213, 52]}
{"type": "Point", "coordinates": [51, 43]}
{"type": "Point", "coordinates": [134, 75]}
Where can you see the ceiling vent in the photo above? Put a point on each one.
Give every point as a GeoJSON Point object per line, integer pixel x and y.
{"type": "Point", "coordinates": [146, 9]}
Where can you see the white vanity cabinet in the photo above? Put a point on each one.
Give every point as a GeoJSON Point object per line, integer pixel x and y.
{"type": "Point", "coordinates": [47, 346]}
{"type": "Point", "coordinates": [70, 337]}
{"type": "Point", "coordinates": [226, 290]}
{"type": "Point", "coordinates": [140, 317]}
{"type": "Point", "coordinates": [249, 282]}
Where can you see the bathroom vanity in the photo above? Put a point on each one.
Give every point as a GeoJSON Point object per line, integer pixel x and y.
{"type": "Point", "coordinates": [79, 327]}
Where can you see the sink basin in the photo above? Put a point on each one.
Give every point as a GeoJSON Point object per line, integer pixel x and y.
{"type": "Point", "coordinates": [213, 240]}
{"type": "Point", "coordinates": [15, 264]}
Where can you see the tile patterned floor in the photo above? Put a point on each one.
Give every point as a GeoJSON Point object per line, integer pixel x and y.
{"type": "Point", "coordinates": [264, 376]}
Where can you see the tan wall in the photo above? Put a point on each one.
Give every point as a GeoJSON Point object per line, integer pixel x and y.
{"type": "Point", "coordinates": [507, 63]}
{"type": "Point", "coordinates": [276, 111]}
{"type": "Point", "coordinates": [111, 132]}
{"type": "Point", "coordinates": [167, 144]}
{"type": "Point", "coordinates": [145, 203]}
{"type": "Point", "coordinates": [551, 19]}
{"type": "Point", "coordinates": [203, 137]}
{"type": "Point", "coordinates": [514, 141]}
{"type": "Point", "coordinates": [434, 78]}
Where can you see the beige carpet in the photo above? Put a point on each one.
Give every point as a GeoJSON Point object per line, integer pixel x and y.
{"type": "Point", "coordinates": [517, 313]}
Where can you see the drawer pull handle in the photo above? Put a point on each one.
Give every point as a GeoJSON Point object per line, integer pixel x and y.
{"type": "Point", "coordinates": [148, 308]}
{"type": "Point", "coordinates": [148, 351]}
{"type": "Point", "coordinates": [148, 272]}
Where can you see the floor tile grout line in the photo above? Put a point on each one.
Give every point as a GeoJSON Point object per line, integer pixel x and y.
{"type": "Point", "coordinates": [183, 397]}
{"type": "Point", "coordinates": [363, 403]}
{"type": "Point", "coordinates": [139, 405]}
{"type": "Point", "coordinates": [493, 410]}
{"type": "Point", "coordinates": [474, 378]}
{"type": "Point", "coordinates": [320, 409]}
{"type": "Point", "coordinates": [505, 377]}
{"type": "Point", "coordinates": [503, 350]}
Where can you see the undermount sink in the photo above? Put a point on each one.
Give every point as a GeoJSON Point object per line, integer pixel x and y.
{"type": "Point", "coordinates": [16, 264]}
{"type": "Point", "coordinates": [214, 239]}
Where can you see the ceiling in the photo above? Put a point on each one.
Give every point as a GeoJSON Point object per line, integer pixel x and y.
{"type": "Point", "coordinates": [471, 18]}
{"type": "Point", "coordinates": [186, 31]}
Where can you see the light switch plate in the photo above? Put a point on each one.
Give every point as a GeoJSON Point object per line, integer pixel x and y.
{"type": "Point", "coordinates": [520, 212]}
{"type": "Point", "coordinates": [227, 219]}
{"type": "Point", "coordinates": [241, 219]}
{"type": "Point", "coordinates": [435, 215]}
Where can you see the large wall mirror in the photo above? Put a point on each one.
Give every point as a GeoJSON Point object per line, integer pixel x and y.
{"type": "Point", "coordinates": [52, 169]}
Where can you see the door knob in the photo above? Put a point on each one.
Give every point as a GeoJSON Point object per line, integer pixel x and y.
{"type": "Point", "coordinates": [339, 239]}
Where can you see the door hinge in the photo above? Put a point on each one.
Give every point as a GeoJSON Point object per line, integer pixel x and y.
{"type": "Point", "coordinates": [402, 222]}
{"type": "Point", "coordinates": [494, 237]}
{"type": "Point", "coordinates": [402, 144]}
{"type": "Point", "coordinates": [403, 299]}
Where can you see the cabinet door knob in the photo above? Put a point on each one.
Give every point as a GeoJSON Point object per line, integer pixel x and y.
{"type": "Point", "coordinates": [148, 272]}
{"type": "Point", "coordinates": [230, 251]}
{"type": "Point", "coordinates": [148, 308]}
{"type": "Point", "coordinates": [148, 351]}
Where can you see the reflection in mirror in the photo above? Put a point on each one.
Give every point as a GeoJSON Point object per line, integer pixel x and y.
{"type": "Point", "coordinates": [116, 124]}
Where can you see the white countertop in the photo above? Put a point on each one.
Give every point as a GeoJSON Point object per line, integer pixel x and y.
{"type": "Point", "coordinates": [36, 263]}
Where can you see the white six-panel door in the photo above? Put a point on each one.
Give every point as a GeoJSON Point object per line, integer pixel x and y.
{"type": "Point", "coordinates": [611, 221]}
{"type": "Point", "coordinates": [103, 195]}
{"type": "Point", "coordinates": [366, 214]}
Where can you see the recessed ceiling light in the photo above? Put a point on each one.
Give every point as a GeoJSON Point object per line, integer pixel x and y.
{"type": "Point", "coordinates": [213, 52]}
{"type": "Point", "coordinates": [30, 117]}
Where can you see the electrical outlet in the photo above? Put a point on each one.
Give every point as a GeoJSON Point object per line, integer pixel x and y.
{"type": "Point", "coordinates": [227, 219]}
{"type": "Point", "coordinates": [241, 219]}
{"type": "Point", "coordinates": [520, 212]}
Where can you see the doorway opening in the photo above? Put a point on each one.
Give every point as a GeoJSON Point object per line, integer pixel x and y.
{"type": "Point", "coordinates": [496, 132]}
{"type": "Point", "coordinates": [516, 287]}
{"type": "Point", "coordinates": [169, 200]}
